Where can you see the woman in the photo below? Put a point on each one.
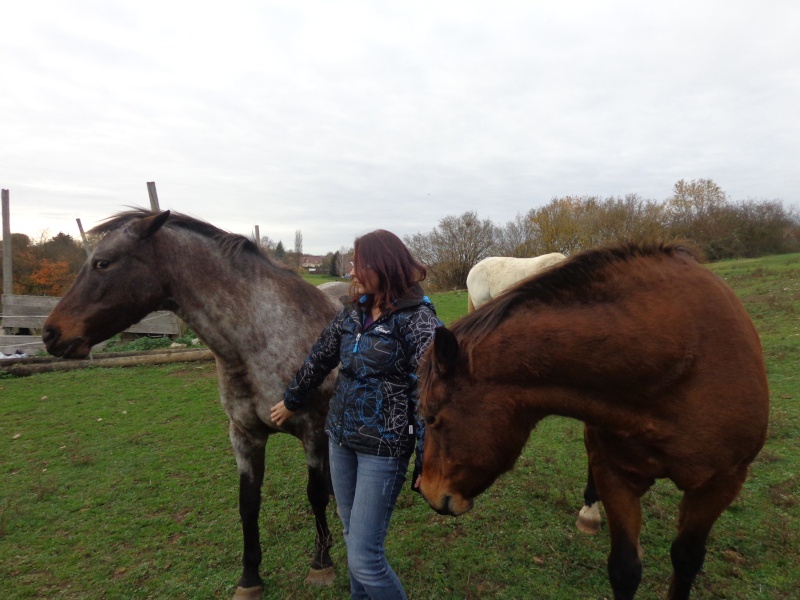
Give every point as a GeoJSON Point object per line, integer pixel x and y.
{"type": "Point", "coordinates": [378, 340]}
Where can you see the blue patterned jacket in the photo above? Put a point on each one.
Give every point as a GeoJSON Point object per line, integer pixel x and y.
{"type": "Point", "coordinates": [374, 405]}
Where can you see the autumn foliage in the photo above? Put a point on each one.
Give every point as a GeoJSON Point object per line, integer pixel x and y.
{"type": "Point", "coordinates": [51, 278]}
{"type": "Point", "coordinates": [46, 268]}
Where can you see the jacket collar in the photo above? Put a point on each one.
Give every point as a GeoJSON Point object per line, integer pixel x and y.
{"type": "Point", "coordinates": [413, 296]}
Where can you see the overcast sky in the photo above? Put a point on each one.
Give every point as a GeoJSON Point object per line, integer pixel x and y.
{"type": "Point", "coordinates": [336, 117]}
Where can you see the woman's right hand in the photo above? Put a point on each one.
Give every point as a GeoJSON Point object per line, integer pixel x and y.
{"type": "Point", "coordinates": [280, 414]}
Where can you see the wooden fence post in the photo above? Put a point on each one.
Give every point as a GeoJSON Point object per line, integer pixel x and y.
{"type": "Point", "coordinates": [86, 247]}
{"type": "Point", "coordinates": [151, 191]}
{"type": "Point", "coordinates": [7, 266]}
{"type": "Point", "coordinates": [258, 237]}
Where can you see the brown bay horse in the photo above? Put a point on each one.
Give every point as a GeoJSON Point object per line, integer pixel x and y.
{"type": "Point", "coordinates": [650, 349]}
{"type": "Point", "coordinates": [259, 319]}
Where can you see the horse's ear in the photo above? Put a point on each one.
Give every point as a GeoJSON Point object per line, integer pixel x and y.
{"type": "Point", "coordinates": [445, 348]}
{"type": "Point", "coordinates": [146, 227]}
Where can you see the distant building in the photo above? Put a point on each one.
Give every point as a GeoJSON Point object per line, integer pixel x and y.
{"type": "Point", "coordinates": [311, 263]}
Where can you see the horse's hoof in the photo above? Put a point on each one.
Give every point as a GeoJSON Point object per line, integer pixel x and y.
{"type": "Point", "coordinates": [589, 520]}
{"type": "Point", "coordinates": [324, 576]}
{"type": "Point", "coordinates": [250, 593]}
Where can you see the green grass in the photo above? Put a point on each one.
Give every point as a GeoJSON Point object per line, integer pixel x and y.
{"type": "Point", "coordinates": [120, 483]}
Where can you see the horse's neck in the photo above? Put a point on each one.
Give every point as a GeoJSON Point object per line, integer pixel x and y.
{"type": "Point", "coordinates": [576, 365]}
{"type": "Point", "coordinates": [240, 312]}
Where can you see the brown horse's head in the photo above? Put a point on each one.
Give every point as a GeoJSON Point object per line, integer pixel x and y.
{"type": "Point", "coordinates": [468, 441]}
{"type": "Point", "coordinates": [116, 287]}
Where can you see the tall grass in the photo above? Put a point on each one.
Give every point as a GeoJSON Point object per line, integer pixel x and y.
{"type": "Point", "coordinates": [120, 483]}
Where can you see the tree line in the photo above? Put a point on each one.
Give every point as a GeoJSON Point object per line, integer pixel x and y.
{"type": "Point", "coordinates": [698, 211]}
{"type": "Point", "coordinates": [44, 267]}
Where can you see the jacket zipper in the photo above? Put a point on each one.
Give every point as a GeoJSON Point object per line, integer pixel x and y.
{"type": "Point", "coordinates": [371, 325]}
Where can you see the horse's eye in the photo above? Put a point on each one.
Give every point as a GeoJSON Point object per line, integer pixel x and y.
{"type": "Point", "coordinates": [101, 264]}
{"type": "Point", "coordinates": [430, 420]}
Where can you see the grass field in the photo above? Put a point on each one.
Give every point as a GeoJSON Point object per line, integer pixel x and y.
{"type": "Point", "coordinates": [120, 483]}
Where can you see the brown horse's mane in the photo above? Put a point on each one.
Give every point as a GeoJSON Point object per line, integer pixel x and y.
{"type": "Point", "coordinates": [569, 281]}
{"type": "Point", "coordinates": [231, 244]}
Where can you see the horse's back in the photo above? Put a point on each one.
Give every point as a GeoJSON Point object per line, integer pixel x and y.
{"type": "Point", "coordinates": [659, 330]}
{"type": "Point", "coordinates": [495, 274]}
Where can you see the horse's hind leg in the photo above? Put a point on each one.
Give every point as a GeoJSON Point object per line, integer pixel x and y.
{"type": "Point", "coordinates": [319, 493]}
{"type": "Point", "coordinates": [621, 496]}
{"type": "Point", "coordinates": [250, 461]}
{"type": "Point", "coordinates": [699, 510]}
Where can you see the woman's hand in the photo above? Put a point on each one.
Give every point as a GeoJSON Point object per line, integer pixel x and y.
{"type": "Point", "coordinates": [280, 414]}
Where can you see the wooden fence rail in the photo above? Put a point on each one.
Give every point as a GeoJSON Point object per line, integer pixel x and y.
{"type": "Point", "coordinates": [29, 313]}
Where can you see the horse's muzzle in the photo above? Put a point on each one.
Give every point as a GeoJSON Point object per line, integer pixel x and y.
{"type": "Point", "coordinates": [57, 346]}
{"type": "Point", "coordinates": [451, 505]}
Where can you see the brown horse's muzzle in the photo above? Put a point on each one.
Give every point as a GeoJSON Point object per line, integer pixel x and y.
{"type": "Point", "coordinates": [442, 501]}
{"type": "Point", "coordinates": [67, 346]}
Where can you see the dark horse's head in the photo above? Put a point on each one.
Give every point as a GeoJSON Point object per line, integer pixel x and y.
{"type": "Point", "coordinates": [116, 288]}
{"type": "Point", "coordinates": [468, 444]}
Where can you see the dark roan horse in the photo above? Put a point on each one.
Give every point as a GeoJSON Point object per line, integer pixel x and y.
{"type": "Point", "coordinates": [646, 346]}
{"type": "Point", "coordinates": [259, 319]}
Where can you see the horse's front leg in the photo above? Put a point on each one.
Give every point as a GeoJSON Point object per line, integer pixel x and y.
{"type": "Point", "coordinates": [319, 492]}
{"type": "Point", "coordinates": [589, 519]}
{"type": "Point", "coordinates": [249, 454]}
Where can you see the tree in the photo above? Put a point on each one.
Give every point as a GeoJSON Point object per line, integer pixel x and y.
{"type": "Point", "coordinates": [267, 243]}
{"type": "Point", "coordinates": [344, 262]}
{"type": "Point", "coordinates": [453, 248]}
{"type": "Point", "coordinates": [700, 211]}
{"type": "Point", "coordinates": [63, 247]}
{"type": "Point", "coordinates": [51, 278]}
{"type": "Point", "coordinates": [516, 238]}
{"type": "Point", "coordinates": [280, 251]}
{"type": "Point", "coordinates": [334, 258]}
{"type": "Point", "coordinates": [298, 248]}
{"type": "Point", "coordinates": [555, 226]}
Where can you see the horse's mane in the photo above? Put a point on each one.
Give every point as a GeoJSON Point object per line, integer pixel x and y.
{"type": "Point", "coordinates": [231, 244]}
{"type": "Point", "coordinates": [574, 278]}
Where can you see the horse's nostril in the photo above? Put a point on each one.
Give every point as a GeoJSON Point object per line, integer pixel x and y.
{"type": "Point", "coordinates": [50, 334]}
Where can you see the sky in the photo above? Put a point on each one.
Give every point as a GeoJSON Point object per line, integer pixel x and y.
{"type": "Point", "coordinates": [337, 117]}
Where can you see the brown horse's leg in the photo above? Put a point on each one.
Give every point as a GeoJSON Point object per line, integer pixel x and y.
{"type": "Point", "coordinates": [699, 510]}
{"type": "Point", "coordinates": [250, 461]}
{"type": "Point", "coordinates": [589, 518]}
{"type": "Point", "coordinates": [624, 515]}
{"type": "Point", "coordinates": [319, 492]}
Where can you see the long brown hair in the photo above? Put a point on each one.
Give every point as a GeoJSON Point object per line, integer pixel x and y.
{"type": "Point", "coordinates": [386, 255]}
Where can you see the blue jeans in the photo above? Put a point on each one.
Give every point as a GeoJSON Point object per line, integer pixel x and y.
{"type": "Point", "coordinates": [366, 488]}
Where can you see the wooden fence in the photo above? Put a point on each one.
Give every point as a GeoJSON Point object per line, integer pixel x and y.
{"type": "Point", "coordinates": [23, 318]}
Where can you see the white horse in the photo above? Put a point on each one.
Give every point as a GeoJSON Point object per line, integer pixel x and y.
{"type": "Point", "coordinates": [492, 276]}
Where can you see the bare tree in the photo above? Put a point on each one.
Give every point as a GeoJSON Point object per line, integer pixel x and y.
{"type": "Point", "coordinates": [268, 243]}
{"type": "Point", "coordinates": [344, 261]}
{"type": "Point", "coordinates": [298, 248]}
{"type": "Point", "coordinates": [453, 248]}
{"type": "Point", "coordinates": [516, 238]}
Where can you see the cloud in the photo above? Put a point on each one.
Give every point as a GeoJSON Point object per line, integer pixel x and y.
{"type": "Point", "coordinates": [338, 118]}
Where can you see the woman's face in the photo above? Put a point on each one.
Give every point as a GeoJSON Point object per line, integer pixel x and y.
{"type": "Point", "coordinates": [369, 283]}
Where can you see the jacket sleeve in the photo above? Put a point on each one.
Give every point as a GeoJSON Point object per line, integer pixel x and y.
{"type": "Point", "coordinates": [419, 335]}
{"type": "Point", "coordinates": [323, 359]}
